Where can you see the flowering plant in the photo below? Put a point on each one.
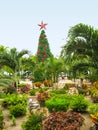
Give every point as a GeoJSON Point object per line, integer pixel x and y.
{"type": "Point", "coordinates": [94, 118]}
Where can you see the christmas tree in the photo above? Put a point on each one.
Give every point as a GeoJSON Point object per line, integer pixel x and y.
{"type": "Point", "coordinates": [43, 51]}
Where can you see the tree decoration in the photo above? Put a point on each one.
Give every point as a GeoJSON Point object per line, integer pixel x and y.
{"type": "Point", "coordinates": [43, 51]}
{"type": "Point", "coordinates": [42, 25]}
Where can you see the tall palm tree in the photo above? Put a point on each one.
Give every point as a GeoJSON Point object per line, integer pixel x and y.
{"type": "Point", "coordinates": [82, 46]}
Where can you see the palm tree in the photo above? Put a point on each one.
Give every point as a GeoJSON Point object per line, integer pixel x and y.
{"type": "Point", "coordinates": [53, 67]}
{"type": "Point", "coordinates": [11, 62]}
{"type": "Point", "coordinates": [81, 47]}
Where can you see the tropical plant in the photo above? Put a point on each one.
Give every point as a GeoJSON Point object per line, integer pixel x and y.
{"type": "Point", "coordinates": [81, 49]}
{"type": "Point", "coordinates": [79, 103]}
{"type": "Point", "coordinates": [18, 110]}
{"type": "Point", "coordinates": [53, 67]}
{"type": "Point", "coordinates": [63, 121]}
{"type": "Point", "coordinates": [42, 97]}
{"type": "Point", "coordinates": [34, 122]}
{"type": "Point", "coordinates": [11, 62]}
{"type": "Point", "coordinates": [14, 99]}
{"type": "Point", "coordinates": [32, 92]}
{"type": "Point", "coordinates": [56, 104]}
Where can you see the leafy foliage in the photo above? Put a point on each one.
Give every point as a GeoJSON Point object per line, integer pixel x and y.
{"type": "Point", "coordinates": [57, 104]}
{"type": "Point", "coordinates": [63, 121]}
{"type": "Point", "coordinates": [14, 99]}
{"type": "Point", "coordinates": [79, 103]}
{"type": "Point", "coordinates": [32, 92]}
{"type": "Point", "coordinates": [24, 89]}
{"type": "Point", "coordinates": [18, 110]}
{"type": "Point", "coordinates": [63, 102]}
{"type": "Point", "coordinates": [93, 108]}
{"type": "Point", "coordinates": [81, 51]}
{"type": "Point", "coordinates": [42, 97]}
{"type": "Point", "coordinates": [34, 122]}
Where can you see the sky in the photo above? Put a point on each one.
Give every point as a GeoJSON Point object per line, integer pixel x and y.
{"type": "Point", "coordinates": [19, 21]}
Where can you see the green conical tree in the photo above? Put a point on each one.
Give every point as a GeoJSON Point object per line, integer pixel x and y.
{"type": "Point", "coordinates": [43, 51]}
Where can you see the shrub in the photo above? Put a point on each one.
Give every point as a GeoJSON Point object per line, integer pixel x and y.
{"type": "Point", "coordinates": [25, 89]}
{"type": "Point", "coordinates": [93, 108]}
{"type": "Point", "coordinates": [18, 110]}
{"type": "Point", "coordinates": [60, 91]}
{"type": "Point", "coordinates": [44, 89]}
{"type": "Point", "coordinates": [34, 122]}
{"type": "Point", "coordinates": [79, 103]}
{"type": "Point", "coordinates": [57, 104]}
{"type": "Point", "coordinates": [42, 97]}
{"type": "Point", "coordinates": [32, 92]}
{"type": "Point", "coordinates": [63, 121]}
{"type": "Point", "coordinates": [47, 83]}
{"type": "Point", "coordinates": [38, 84]}
{"type": "Point", "coordinates": [14, 99]}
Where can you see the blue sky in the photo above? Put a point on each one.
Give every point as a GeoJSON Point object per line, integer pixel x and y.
{"type": "Point", "coordinates": [19, 21]}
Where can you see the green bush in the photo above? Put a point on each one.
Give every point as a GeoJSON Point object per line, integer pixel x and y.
{"type": "Point", "coordinates": [93, 108]}
{"type": "Point", "coordinates": [41, 90]}
{"type": "Point", "coordinates": [79, 103]}
{"type": "Point", "coordinates": [14, 99]}
{"type": "Point", "coordinates": [63, 102]}
{"type": "Point", "coordinates": [57, 104]}
{"type": "Point", "coordinates": [32, 92]}
{"type": "Point", "coordinates": [60, 91]}
{"type": "Point", "coordinates": [18, 110]}
{"type": "Point", "coordinates": [34, 122]}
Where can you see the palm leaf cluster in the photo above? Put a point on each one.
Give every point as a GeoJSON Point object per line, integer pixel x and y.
{"type": "Point", "coordinates": [81, 49]}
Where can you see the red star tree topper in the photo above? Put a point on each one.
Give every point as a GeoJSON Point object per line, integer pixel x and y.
{"type": "Point", "coordinates": [42, 25]}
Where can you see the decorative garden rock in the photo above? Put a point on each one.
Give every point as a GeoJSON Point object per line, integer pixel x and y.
{"type": "Point", "coordinates": [33, 104]}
